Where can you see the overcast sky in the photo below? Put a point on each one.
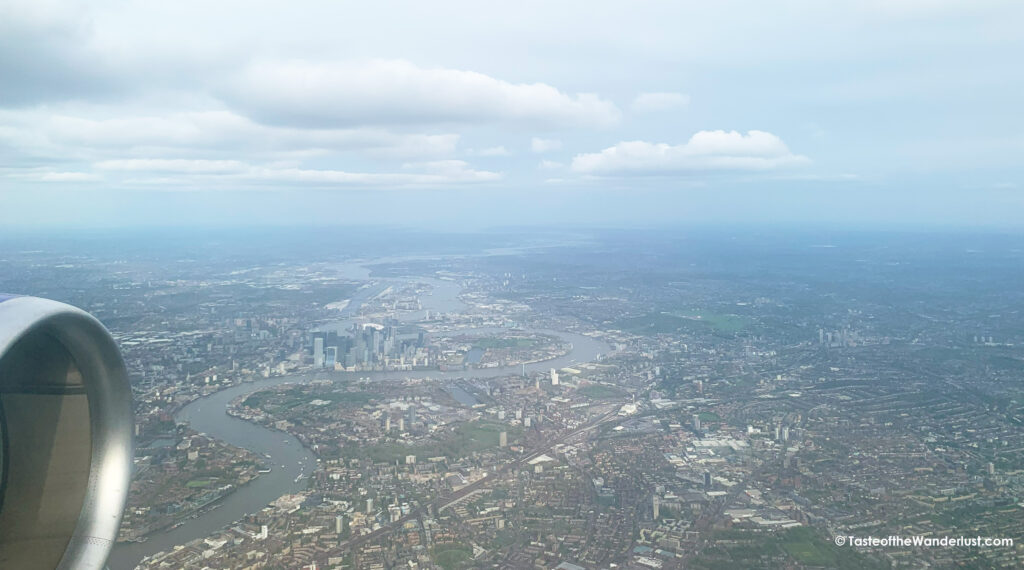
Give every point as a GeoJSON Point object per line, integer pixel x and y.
{"type": "Point", "coordinates": [470, 114]}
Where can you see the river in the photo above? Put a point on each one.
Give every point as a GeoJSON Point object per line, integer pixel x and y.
{"type": "Point", "coordinates": [287, 455]}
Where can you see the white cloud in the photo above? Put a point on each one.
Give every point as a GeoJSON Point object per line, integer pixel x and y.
{"type": "Point", "coordinates": [491, 151]}
{"type": "Point", "coordinates": [364, 179]}
{"type": "Point", "coordinates": [397, 92]}
{"type": "Point", "coordinates": [200, 132]}
{"type": "Point", "coordinates": [192, 166]}
{"type": "Point", "coordinates": [234, 173]}
{"type": "Point", "coordinates": [550, 165]}
{"type": "Point", "coordinates": [44, 175]}
{"type": "Point", "coordinates": [69, 177]}
{"type": "Point", "coordinates": [705, 151]}
{"type": "Point", "coordinates": [453, 170]}
{"type": "Point", "coordinates": [544, 145]}
{"type": "Point", "coordinates": [655, 102]}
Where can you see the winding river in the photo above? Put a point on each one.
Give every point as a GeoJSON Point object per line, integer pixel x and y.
{"type": "Point", "coordinates": [286, 454]}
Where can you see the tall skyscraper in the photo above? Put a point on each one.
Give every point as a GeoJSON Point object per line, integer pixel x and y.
{"type": "Point", "coordinates": [656, 505]}
{"type": "Point", "coordinates": [554, 377]}
{"type": "Point", "coordinates": [503, 439]}
{"type": "Point", "coordinates": [696, 422]}
{"type": "Point", "coordinates": [318, 352]}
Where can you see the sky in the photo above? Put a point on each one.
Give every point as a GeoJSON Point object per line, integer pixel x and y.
{"type": "Point", "coordinates": [464, 115]}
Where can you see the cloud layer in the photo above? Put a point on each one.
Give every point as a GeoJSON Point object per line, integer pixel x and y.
{"type": "Point", "coordinates": [390, 92]}
{"type": "Point", "coordinates": [705, 151]}
{"type": "Point", "coordinates": [494, 100]}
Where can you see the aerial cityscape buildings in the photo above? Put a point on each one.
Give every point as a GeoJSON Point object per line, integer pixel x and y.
{"type": "Point", "coordinates": [449, 416]}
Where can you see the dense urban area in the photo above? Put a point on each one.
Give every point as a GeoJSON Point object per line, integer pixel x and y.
{"type": "Point", "coordinates": [558, 400]}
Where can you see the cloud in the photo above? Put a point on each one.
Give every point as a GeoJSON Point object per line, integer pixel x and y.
{"type": "Point", "coordinates": [655, 102]}
{"type": "Point", "coordinates": [90, 135]}
{"type": "Point", "coordinates": [432, 176]}
{"type": "Point", "coordinates": [544, 145]}
{"type": "Point", "coordinates": [210, 129]}
{"type": "Point", "coordinates": [491, 151]}
{"type": "Point", "coordinates": [69, 177]}
{"type": "Point", "coordinates": [198, 166]}
{"type": "Point", "coordinates": [549, 165]}
{"type": "Point", "coordinates": [454, 170]}
{"type": "Point", "coordinates": [44, 175]}
{"type": "Point", "coordinates": [397, 92]}
{"type": "Point", "coordinates": [705, 151]}
{"type": "Point", "coordinates": [46, 55]}
{"type": "Point", "coordinates": [234, 173]}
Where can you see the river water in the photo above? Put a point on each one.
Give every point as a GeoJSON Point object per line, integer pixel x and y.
{"type": "Point", "coordinates": [286, 454]}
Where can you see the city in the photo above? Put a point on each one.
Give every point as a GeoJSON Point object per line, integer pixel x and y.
{"type": "Point", "coordinates": [483, 409]}
{"type": "Point", "coordinates": [530, 285]}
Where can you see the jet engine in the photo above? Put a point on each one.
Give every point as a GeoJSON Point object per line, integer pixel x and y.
{"type": "Point", "coordinates": [65, 436]}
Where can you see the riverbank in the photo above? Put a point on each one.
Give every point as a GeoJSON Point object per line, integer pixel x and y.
{"type": "Point", "coordinates": [286, 453]}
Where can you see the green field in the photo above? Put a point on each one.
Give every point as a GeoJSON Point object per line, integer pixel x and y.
{"type": "Point", "coordinates": [501, 342]}
{"type": "Point", "coordinates": [198, 483]}
{"type": "Point", "coordinates": [450, 556]}
{"type": "Point", "coordinates": [666, 322]}
{"type": "Point", "coordinates": [808, 552]}
{"type": "Point", "coordinates": [803, 545]}
{"type": "Point", "coordinates": [465, 439]}
{"type": "Point", "coordinates": [274, 401]}
{"type": "Point", "coordinates": [709, 417]}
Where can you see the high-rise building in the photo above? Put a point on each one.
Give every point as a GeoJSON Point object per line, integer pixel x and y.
{"type": "Point", "coordinates": [707, 479]}
{"type": "Point", "coordinates": [696, 422]}
{"type": "Point", "coordinates": [318, 352]}
{"type": "Point", "coordinates": [369, 505]}
{"type": "Point", "coordinates": [554, 377]}
{"type": "Point", "coordinates": [330, 356]}
{"type": "Point", "coordinates": [656, 506]}
{"type": "Point", "coordinates": [339, 524]}
{"type": "Point", "coordinates": [503, 439]}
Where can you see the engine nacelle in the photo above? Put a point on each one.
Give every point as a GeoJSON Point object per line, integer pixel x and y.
{"type": "Point", "coordinates": [66, 428]}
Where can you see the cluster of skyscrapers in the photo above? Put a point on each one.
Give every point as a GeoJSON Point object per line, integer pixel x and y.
{"type": "Point", "coordinates": [367, 346]}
